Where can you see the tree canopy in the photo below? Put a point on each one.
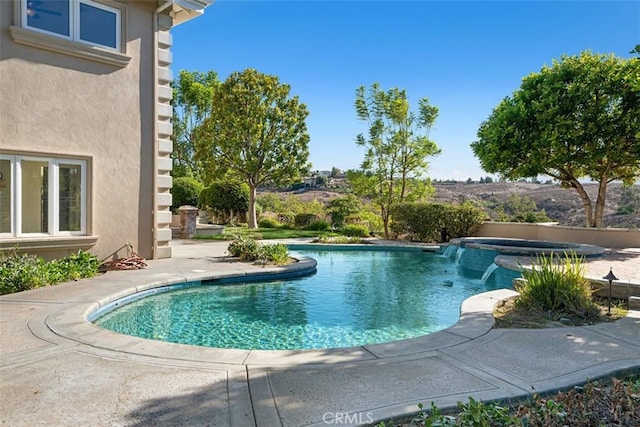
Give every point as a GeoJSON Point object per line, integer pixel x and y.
{"type": "Point", "coordinates": [576, 119]}
{"type": "Point", "coordinates": [256, 131]}
{"type": "Point", "coordinates": [192, 95]}
{"type": "Point", "coordinates": [396, 150]}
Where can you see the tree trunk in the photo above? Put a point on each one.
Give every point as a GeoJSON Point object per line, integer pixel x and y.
{"type": "Point", "coordinates": [586, 201]}
{"type": "Point", "coordinates": [252, 220]}
{"type": "Point", "coordinates": [385, 222]}
{"type": "Point", "coordinates": [602, 194]}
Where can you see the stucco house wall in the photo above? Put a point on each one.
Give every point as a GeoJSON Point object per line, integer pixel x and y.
{"type": "Point", "coordinates": [99, 110]}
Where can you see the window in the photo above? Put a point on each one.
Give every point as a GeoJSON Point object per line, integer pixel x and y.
{"type": "Point", "coordinates": [83, 21]}
{"type": "Point", "coordinates": [42, 197]}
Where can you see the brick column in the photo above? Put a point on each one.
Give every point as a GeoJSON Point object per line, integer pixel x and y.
{"type": "Point", "coordinates": [188, 221]}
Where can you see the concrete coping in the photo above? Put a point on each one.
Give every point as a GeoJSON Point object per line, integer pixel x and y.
{"type": "Point", "coordinates": [509, 246]}
{"type": "Point", "coordinates": [71, 321]}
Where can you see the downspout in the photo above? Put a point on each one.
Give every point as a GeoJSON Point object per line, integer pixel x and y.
{"type": "Point", "coordinates": [154, 250]}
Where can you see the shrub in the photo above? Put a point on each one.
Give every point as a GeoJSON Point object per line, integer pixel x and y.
{"type": "Point", "coordinates": [268, 222]}
{"type": "Point", "coordinates": [245, 249]}
{"type": "Point", "coordinates": [420, 221]}
{"type": "Point", "coordinates": [275, 252]}
{"type": "Point", "coordinates": [557, 285]}
{"type": "Point", "coordinates": [319, 225]}
{"type": "Point", "coordinates": [251, 250]}
{"type": "Point", "coordinates": [304, 219]}
{"type": "Point", "coordinates": [355, 230]}
{"type": "Point", "coordinates": [286, 218]}
{"type": "Point", "coordinates": [185, 191]}
{"type": "Point", "coordinates": [371, 220]}
{"type": "Point", "coordinates": [464, 220]}
{"type": "Point", "coordinates": [425, 221]}
{"type": "Point", "coordinates": [21, 272]}
{"type": "Point", "coordinates": [226, 199]}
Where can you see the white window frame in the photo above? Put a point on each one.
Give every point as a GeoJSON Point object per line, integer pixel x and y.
{"type": "Point", "coordinates": [74, 23]}
{"type": "Point", "coordinates": [12, 194]}
{"type": "Point", "coordinates": [53, 219]}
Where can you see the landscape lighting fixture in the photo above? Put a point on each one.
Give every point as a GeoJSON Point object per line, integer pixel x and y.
{"type": "Point", "coordinates": [610, 277]}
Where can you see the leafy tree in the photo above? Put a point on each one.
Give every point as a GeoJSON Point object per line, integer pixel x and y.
{"type": "Point", "coordinates": [256, 131]}
{"type": "Point", "coordinates": [396, 153]}
{"type": "Point", "coordinates": [488, 180]}
{"type": "Point", "coordinates": [185, 191]}
{"type": "Point", "coordinates": [340, 208]}
{"type": "Point", "coordinates": [192, 93]}
{"type": "Point", "coordinates": [575, 119]}
{"type": "Point", "coordinates": [227, 198]}
{"type": "Point", "coordinates": [335, 172]}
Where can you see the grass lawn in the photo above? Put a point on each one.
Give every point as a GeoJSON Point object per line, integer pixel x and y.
{"type": "Point", "coordinates": [231, 233]}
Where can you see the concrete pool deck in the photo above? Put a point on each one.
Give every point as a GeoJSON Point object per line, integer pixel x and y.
{"type": "Point", "coordinates": [58, 369]}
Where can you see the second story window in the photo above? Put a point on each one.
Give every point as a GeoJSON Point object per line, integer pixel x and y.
{"type": "Point", "coordinates": [84, 21]}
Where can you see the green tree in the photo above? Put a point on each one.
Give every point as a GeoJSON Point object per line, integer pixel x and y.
{"type": "Point", "coordinates": [192, 94]}
{"type": "Point", "coordinates": [186, 191]}
{"type": "Point", "coordinates": [340, 208]}
{"type": "Point", "coordinates": [227, 198]}
{"type": "Point", "coordinates": [575, 119]}
{"type": "Point", "coordinates": [256, 131]}
{"type": "Point", "coordinates": [396, 152]}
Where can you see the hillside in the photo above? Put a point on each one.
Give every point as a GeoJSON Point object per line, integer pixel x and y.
{"type": "Point", "coordinates": [561, 205]}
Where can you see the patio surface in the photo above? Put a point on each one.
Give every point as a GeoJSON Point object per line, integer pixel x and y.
{"type": "Point", "coordinates": [58, 369]}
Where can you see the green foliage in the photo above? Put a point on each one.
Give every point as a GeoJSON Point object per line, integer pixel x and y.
{"type": "Point", "coordinates": [304, 219]}
{"type": "Point", "coordinates": [251, 250]}
{"type": "Point", "coordinates": [557, 285]}
{"type": "Point", "coordinates": [268, 222]}
{"type": "Point", "coordinates": [464, 220]}
{"type": "Point", "coordinates": [319, 225]}
{"type": "Point", "coordinates": [425, 221]}
{"type": "Point", "coordinates": [594, 404]}
{"type": "Point", "coordinates": [275, 253]}
{"type": "Point", "coordinates": [370, 220]}
{"type": "Point", "coordinates": [226, 198]}
{"type": "Point", "coordinates": [396, 153]}
{"type": "Point", "coordinates": [244, 248]}
{"type": "Point", "coordinates": [265, 233]}
{"type": "Point", "coordinates": [287, 218]}
{"type": "Point", "coordinates": [270, 202]}
{"type": "Point", "coordinates": [21, 272]}
{"type": "Point", "coordinates": [520, 209]}
{"type": "Point", "coordinates": [339, 240]}
{"type": "Point", "coordinates": [574, 119]}
{"type": "Point", "coordinates": [186, 191]}
{"type": "Point", "coordinates": [192, 94]}
{"type": "Point", "coordinates": [355, 230]}
{"type": "Point", "coordinates": [479, 414]}
{"type": "Point", "coordinates": [256, 131]}
{"type": "Point", "coordinates": [340, 208]}
{"type": "Point", "coordinates": [629, 201]}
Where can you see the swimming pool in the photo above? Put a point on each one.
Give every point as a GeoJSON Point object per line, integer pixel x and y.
{"type": "Point", "coordinates": [355, 298]}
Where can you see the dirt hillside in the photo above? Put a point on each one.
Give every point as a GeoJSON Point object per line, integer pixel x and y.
{"type": "Point", "coordinates": [559, 204]}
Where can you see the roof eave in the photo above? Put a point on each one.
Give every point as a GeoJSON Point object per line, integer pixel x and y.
{"type": "Point", "coordinates": [185, 10]}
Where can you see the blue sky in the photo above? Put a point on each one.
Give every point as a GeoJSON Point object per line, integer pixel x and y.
{"type": "Point", "coordinates": [465, 56]}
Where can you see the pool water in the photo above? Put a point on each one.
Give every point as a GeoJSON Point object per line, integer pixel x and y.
{"type": "Point", "coordinates": [354, 298]}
